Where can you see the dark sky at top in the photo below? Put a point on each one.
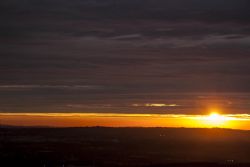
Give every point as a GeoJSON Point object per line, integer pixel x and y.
{"type": "Point", "coordinates": [118, 55]}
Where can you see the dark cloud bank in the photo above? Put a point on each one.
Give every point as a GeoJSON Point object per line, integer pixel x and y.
{"type": "Point", "coordinates": [106, 55]}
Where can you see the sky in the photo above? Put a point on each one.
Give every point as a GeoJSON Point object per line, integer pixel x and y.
{"type": "Point", "coordinates": [125, 56]}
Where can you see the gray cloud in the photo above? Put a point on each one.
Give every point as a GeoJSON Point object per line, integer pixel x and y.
{"type": "Point", "coordinates": [95, 52]}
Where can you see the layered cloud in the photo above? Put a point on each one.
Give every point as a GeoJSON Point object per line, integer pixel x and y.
{"type": "Point", "coordinates": [91, 52]}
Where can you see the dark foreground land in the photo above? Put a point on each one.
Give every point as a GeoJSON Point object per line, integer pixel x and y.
{"type": "Point", "coordinates": [135, 147]}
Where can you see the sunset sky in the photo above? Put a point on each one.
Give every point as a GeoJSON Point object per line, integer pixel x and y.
{"type": "Point", "coordinates": [125, 62]}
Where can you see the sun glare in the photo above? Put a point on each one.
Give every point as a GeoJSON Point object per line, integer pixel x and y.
{"type": "Point", "coordinates": [214, 119]}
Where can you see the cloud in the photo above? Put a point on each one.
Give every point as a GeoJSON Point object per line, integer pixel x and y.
{"type": "Point", "coordinates": [155, 105]}
{"type": "Point", "coordinates": [20, 87]}
{"type": "Point", "coordinates": [121, 52]}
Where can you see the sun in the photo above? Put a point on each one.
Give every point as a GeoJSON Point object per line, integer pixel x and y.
{"type": "Point", "coordinates": [215, 119]}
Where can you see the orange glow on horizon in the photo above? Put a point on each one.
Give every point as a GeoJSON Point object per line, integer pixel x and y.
{"type": "Point", "coordinates": [232, 121]}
